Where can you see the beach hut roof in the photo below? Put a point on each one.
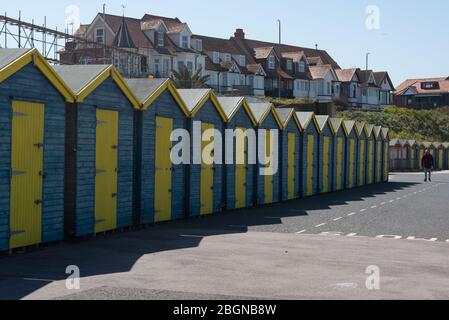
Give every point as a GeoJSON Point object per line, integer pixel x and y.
{"type": "Point", "coordinates": [13, 60]}
{"type": "Point", "coordinates": [336, 124]}
{"type": "Point", "coordinates": [394, 142]}
{"type": "Point", "coordinates": [84, 79]}
{"type": "Point", "coordinates": [286, 114]}
{"type": "Point", "coordinates": [261, 110]}
{"type": "Point", "coordinates": [348, 126]}
{"type": "Point", "coordinates": [378, 132]}
{"type": "Point", "coordinates": [195, 99]}
{"type": "Point", "coordinates": [446, 145]}
{"type": "Point", "coordinates": [360, 128]}
{"type": "Point", "coordinates": [148, 90]}
{"type": "Point", "coordinates": [305, 119]}
{"type": "Point", "coordinates": [369, 128]}
{"type": "Point", "coordinates": [322, 121]}
{"type": "Point", "coordinates": [231, 105]}
{"type": "Point", "coordinates": [385, 133]}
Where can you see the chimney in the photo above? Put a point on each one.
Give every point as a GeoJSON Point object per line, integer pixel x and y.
{"type": "Point", "coordinates": [239, 34]}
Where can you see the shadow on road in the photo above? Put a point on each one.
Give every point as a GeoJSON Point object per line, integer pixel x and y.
{"type": "Point", "coordinates": [24, 273]}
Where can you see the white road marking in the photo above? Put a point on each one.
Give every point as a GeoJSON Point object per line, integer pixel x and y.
{"type": "Point", "coordinates": [383, 203]}
{"type": "Point", "coordinates": [320, 225]}
{"type": "Point", "coordinates": [191, 236]}
{"type": "Point", "coordinates": [302, 231]}
{"type": "Point", "coordinates": [363, 210]}
{"type": "Point", "coordinates": [352, 214]}
{"type": "Point", "coordinates": [391, 201]}
{"type": "Point", "coordinates": [39, 280]}
{"type": "Point", "coordinates": [373, 207]}
{"type": "Point", "coordinates": [338, 218]}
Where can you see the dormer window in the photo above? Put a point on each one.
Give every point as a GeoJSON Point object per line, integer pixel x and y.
{"type": "Point", "coordinates": [99, 35]}
{"type": "Point", "coordinates": [227, 57]}
{"type": "Point", "coordinates": [289, 65]}
{"type": "Point", "coordinates": [271, 62]}
{"type": "Point", "coordinates": [242, 61]}
{"type": "Point", "coordinates": [216, 57]}
{"type": "Point", "coordinates": [160, 39]}
{"type": "Point", "coordinates": [430, 85]}
{"type": "Point", "coordinates": [302, 66]}
{"type": "Point", "coordinates": [199, 45]}
{"type": "Point", "coordinates": [185, 42]}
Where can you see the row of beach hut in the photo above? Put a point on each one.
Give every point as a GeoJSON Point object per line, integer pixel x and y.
{"type": "Point", "coordinates": [407, 154]}
{"type": "Point", "coordinates": [84, 151]}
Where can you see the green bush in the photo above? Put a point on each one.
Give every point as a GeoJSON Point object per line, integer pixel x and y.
{"type": "Point", "coordinates": [422, 125]}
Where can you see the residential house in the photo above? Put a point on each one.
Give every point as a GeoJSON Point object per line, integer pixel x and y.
{"type": "Point", "coordinates": [369, 99]}
{"type": "Point", "coordinates": [297, 66]}
{"type": "Point", "coordinates": [229, 70]}
{"type": "Point", "coordinates": [386, 87]}
{"type": "Point", "coordinates": [350, 86]}
{"type": "Point", "coordinates": [152, 45]}
{"type": "Point", "coordinates": [325, 84]}
{"type": "Point", "coordinates": [278, 61]}
{"type": "Point", "coordinates": [423, 93]}
{"type": "Point", "coordinates": [172, 37]}
{"type": "Point", "coordinates": [105, 32]}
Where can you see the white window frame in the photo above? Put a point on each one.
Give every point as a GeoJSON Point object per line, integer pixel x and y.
{"type": "Point", "coordinates": [102, 37]}
{"type": "Point", "coordinates": [185, 42]}
{"type": "Point", "coordinates": [271, 62]}
{"type": "Point", "coordinates": [216, 57]}
{"type": "Point", "coordinates": [160, 39]}
{"type": "Point", "coordinates": [289, 65]}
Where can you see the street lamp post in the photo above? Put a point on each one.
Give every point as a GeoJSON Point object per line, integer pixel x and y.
{"type": "Point", "coordinates": [280, 41]}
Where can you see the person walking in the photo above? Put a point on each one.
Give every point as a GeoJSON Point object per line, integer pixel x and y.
{"type": "Point", "coordinates": [427, 163]}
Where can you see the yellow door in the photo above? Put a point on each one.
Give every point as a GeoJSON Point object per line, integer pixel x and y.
{"type": "Point", "coordinates": [440, 159]}
{"type": "Point", "coordinates": [326, 164]}
{"type": "Point", "coordinates": [310, 163]}
{"type": "Point", "coordinates": [27, 168]}
{"type": "Point", "coordinates": [351, 163]}
{"type": "Point", "coordinates": [163, 172]}
{"type": "Point", "coordinates": [339, 168]}
{"type": "Point", "coordinates": [371, 162]}
{"type": "Point", "coordinates": [362, 167]}
{"type": "Point", "coordinates": [291, 165]}
{"type": "Point", "coordinates": [207, 175]}
{"type": "Point", "coordinates": [107, 169]}
{"type": "Point", "coordinates": [269, 182]}
{"type": "Point", "coordinates": [379, 162]}
{"type": "Point", "coordinates": [386, 161]}
{"type": "Point", "coordinates": [240, 169]}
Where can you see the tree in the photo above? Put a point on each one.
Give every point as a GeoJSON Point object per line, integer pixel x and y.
{"type": "Point", "coordinates": [185, 79]}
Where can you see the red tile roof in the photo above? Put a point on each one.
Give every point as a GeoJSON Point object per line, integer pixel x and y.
{"type": "Point", "coordinates": [416, 85]}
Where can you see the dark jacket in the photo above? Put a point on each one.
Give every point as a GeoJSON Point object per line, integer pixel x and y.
{"type": "Point", "coordinates": [427, 161]}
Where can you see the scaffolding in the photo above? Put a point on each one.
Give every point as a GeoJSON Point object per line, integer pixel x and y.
{"type": "Point", "coordinates": [63, 48]}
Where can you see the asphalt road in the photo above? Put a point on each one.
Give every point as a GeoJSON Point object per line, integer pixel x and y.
{"type": "Point", "coordinates": [316, 248]}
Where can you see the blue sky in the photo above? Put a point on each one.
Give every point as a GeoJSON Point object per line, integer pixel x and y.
{"type": "Point", "coordinates": [412, 41]}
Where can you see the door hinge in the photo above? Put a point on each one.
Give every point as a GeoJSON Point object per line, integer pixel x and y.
{"type": "Point", "coordinates": [39, 145]}
{"type": "Point", "coordinates": [16, 233]}
{"type": "Point", "coordinates": [17, 173]}
{"type": "Point", "coordinates": [38, 202]}
{"type": "Point", "coordinates": [19, 114]}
